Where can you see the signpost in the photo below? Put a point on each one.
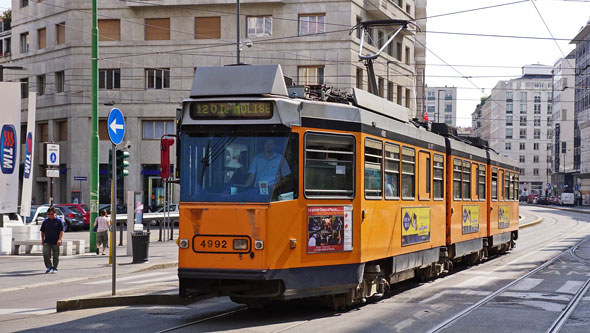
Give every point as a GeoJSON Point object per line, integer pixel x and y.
{"type": "Point", "coordinates": [116, 130]}
{"type": "Point", "coordinates": [52, 160]}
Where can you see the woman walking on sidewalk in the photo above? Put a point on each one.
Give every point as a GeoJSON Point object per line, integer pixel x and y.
{"type": "Point", "coordinates": [52, 231]}
{"type": "Point", "coordinates": [102, 225]}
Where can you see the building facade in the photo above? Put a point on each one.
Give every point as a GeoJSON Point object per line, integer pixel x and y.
{"type": "Point", "coordinates": [148, 55]}
{"type": "Point", "coordinates": [516, 121]}
{"type": "Point", "coordinates": [441, 104]}
{"type": "Point", "coordinates": [582, 113]}
{"type": "Point", "coordinates": [562, 153]}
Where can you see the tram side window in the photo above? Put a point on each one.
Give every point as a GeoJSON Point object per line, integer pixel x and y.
{"type": "Point", "coordinates": [482, 182]}
{"type": "Point", "coordinates": [511, 191]}
{"type": "Point", "coordinates": [424, 175]}
{"type": "Point", "coordinates": [408, 173]}
{"type": "Point", "coordinates": [391, 171]}
{"type": "Point", "coordinates": [506, 186]}
{"type": "Point", "coordinates": [329, 165]}
{"type": "Point", "coordinates": [494, 184]}
{"type": "Point", "coordinates": [457, 179]}
{"type": "Point", "coordinates": [438, 176]}
{"type": "Point", "coordinates": [466, 180]}
{"type": "Point", "coordinates": [516, 191]}
{"type": "Point", "coordinates": [373, 162]}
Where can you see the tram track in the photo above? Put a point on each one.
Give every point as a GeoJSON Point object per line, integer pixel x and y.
{"type": "Point", "coordinates": [562, 318]}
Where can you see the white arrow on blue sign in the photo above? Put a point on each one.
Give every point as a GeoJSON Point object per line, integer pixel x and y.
{"type": "Point", "coordinates": [116, 126]}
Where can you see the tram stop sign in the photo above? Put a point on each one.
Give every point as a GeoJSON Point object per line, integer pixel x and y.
{"type": "Point", "coordinates": [116, 126]}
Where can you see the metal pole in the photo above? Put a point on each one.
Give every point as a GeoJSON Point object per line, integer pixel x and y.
{"type": "Point", "coordinates": [168, 212]}
{"type": "Point", "coordinates": [238, 30]}
{"type": "Point", "coordinates": [51, 191]}
{"type": "Point", "coordinates": [94, 178]}
{"type": "Point", "coordinates": [114, 216]}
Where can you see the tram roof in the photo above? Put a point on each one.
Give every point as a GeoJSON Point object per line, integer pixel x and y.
{"type": "Point", "coordinates": [239, 80]}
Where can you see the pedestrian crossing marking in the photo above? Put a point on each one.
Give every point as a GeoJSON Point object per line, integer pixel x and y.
{"type": "Point", "coordinates": [476, 282]}
{"type": "Point", "coordinates": [158, 279]}
{"type": "Point", "coordinates": [570, 287]}
{"type": "Point", "coordinates": [527, 284]}
{"type": "Point", "coordinates": [131, 277]}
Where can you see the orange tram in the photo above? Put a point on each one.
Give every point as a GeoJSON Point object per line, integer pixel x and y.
{"type": "Point", "coordinates": [285, 197]}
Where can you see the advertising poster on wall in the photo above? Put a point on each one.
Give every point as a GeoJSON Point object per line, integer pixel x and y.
{"type": "Point", "coordinates": [329, 229]}
{"type": "Point", "coordinates": [415, 225]}
{"type": "Point", "coordinates": [9, 146]}
{"type": "Point", "coordinates": [470, 217]}
{"type": "Point", "coordinates": [503, 217]}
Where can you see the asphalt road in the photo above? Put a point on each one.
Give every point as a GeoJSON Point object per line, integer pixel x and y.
{"type": "Point", "coordinates": [529, 306]}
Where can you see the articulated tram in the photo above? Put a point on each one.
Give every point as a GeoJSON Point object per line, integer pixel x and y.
{"type": "Point", "coordinates": [286, 197]}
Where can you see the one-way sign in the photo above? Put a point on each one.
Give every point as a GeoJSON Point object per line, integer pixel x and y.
{"type": "Point", "coordinates": [116, 126]}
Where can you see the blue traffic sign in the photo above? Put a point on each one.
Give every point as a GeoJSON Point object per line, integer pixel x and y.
{"type": "Point", "coordinates": [116, 126]}
{"type": "Point", "coordinates": [80, 178]}
{"type": "Point", "coordinates": [53, 157]}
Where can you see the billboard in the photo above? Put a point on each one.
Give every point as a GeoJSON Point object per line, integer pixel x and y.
{"type": "Point", "coordinates": [10, 95]}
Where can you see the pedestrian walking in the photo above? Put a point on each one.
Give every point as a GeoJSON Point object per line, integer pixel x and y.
{"type": "Point", "coordinates": [102, 225]}
{"type": "Point", "coordinates": [52, 231]}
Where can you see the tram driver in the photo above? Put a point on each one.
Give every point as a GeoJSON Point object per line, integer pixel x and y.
{"type": "Point", "coordinates": [267, 169]}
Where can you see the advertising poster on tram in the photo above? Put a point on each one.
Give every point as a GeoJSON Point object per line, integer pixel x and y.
{"type": "Point", "coordinates": [470, 219]}
{"type": "Point", "coordinates": [415, 225]}
{"type": "Point", "coordinates": [329, 229]}
{"type": "Point", "coordinates": [503, 217]}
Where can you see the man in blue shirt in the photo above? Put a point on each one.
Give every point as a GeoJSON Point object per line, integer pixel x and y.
{"type": "Point", "coordinates": [52, 231]}
{"type": "Point", "coordinates": [267, 168]}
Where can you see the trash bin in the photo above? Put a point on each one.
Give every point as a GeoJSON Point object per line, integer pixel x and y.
{"type": "Point", "coordinates": [140, 243]}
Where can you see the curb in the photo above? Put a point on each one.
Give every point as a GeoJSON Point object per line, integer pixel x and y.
{"type": "Point", "coordinates": [530, 224]}
{"type": "Point", "coordinates": [572, 210]}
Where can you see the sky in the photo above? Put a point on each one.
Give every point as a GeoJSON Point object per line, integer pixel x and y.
{"type": "Point", "coordinates": [467, 54]}
{"type": "Point", "coordinates": [563, 18]}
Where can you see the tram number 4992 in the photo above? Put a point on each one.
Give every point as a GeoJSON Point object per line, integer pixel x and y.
{"type": "Point", "coordinates": [218, 244]}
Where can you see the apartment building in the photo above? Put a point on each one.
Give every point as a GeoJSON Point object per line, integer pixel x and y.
{"type": "Point", "coordinates": [582, 113]}
{"type": "Point", "coordinates": [148, 55]}
{"type": "Point", "coordinates": [518, 124]}
{"type": "Point", "coordinates": [441, 104]}
{"type": "Point", "coordinates": [562, 153]}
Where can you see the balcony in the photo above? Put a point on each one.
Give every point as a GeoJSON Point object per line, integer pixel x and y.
{"type": "Point", "coordinates": [159, 3]}
{"type": "Point", "coordinates": [386, 10]}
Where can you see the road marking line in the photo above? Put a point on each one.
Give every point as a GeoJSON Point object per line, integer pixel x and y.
{"type": "Point", "coordinates": [476, 282]}
{"type": "Point", "coordinates": [570, 287]}
{"type": "Point", "coordinates": [527, 284]}
{"type": "Point", "coordinates": [39, 311]}
{"type": "Point", "coordinates": [132, 277]}
{"type": "Point", "coordinates": [433, 297]}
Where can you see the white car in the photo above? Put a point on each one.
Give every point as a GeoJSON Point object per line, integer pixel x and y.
{"type": "Point", "coordinates": [12, 220]}
{"type": "Point", "coordinates": [41, 214]}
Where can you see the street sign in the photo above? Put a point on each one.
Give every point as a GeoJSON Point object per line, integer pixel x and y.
{"type": "Point", "coordinates": [80, 178]}
{"type": "Point", "coordinates": [52, 173]}
{"type": "Point", "coordinates": [52, 154]}
{"type": "Point", "coordinates": [116, 126]}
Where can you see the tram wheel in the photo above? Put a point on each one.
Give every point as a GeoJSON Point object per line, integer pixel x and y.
{"type": "Point", "coordinates": [472, 259]}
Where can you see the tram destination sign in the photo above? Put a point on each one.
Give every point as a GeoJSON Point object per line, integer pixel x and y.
{"type": "Point", "coordinates": [231, 110]}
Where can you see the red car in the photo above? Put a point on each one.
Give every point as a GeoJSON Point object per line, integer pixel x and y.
{"type": "Point", "coordinates": [84, 210]}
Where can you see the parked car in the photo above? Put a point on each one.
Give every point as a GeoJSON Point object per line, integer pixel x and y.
{"type": "Point", "coordinates": [11, 220]}
{"type": "Point", "coordinates": [567, 199]}
{"type": "Point", "coordinates": [532, 197]}
{"type": "Point", "coordinates": [171, 208]}
{"type": "Point", "coordinates": [541, 200]}
{"type": "Point", "coordinates": [41, 214]}
{"type": "Point", "coordinates": [73, 218]}
{"type": "Point", "coordinates": [83, 209]}
{"type": "Point", "coordinates": [121, 209]}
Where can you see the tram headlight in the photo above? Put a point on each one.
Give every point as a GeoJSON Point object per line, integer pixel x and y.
{"type": "Point", "coordinates": [240, 244]}
{"type": "Point", "coordinates": [259, 245]}
{"type": "Point", "coordinates": [183, 243]}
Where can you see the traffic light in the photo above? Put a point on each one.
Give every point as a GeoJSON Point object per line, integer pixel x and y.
{"type": "Point", "coordinates": [110, 169]}
{"type": "Point", "coordinates": [122, 164]}
{"type": "Point", "coordinates": [165, 157]}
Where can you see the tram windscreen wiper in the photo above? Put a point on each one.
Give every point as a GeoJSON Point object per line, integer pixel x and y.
{"type": "Point", "coordinates": [218, 149]}
{"type": "Point", "coordinates": [205, 162]}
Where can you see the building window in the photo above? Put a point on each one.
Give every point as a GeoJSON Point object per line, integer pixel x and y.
{"type": "Point", "coordinates": [522, 108]}
{"type": "Point", "coordinates": [523, 97]}
{"type": "Point", "coordinates": [448, 119]}
{"type": "Point", "coordinates": [408, 98]}
{"type": "Point", "coordinates": [62, 130]}
{"type": "Point", "coordinates": [509, 108]}
{"type": "Point", "coordinates": [535, 171]}
{"type": "Point", "coordinates": [260, 26]}
{"type": "Point", "coordinates": [537, 97]}
{"type": "Point", "coordinates": [154, 129]}
{"type": "Point", "coordinates": [24, 3]}
{"type": "Point", "coordinates": [41, 42]}
{"type": "Point", "coordinates": [381, 86]}
{"type": "Point", "coordinates": [390, 91]}
{"type": "Point", "coordinates": [310, 75]}
{"type": "Point", "coordinates": [535, 146]}
{"type": "Point", "coordinates": [380, 39]}
{"type": "Point", "coordinates": [329, 165]}
{"type": "Point", "coordinates": [312, 24]}
{"type": "Point", "coordinates": [537, 121]}
{"type": "Point", "coordinates": [521, 158]}
{"type": "Point", "coordinates": [359, 31]}
{"type": "Point", "coordinates": [537, 108]}
{"type": "Point", "coordinates": [508, 146]}
{"type": "Point", "coordinates": [431, 95]}
{"type": "Point", "coordinates": [60, 81]}
{"type": "Point", "coordinates": [398, 53]}
{"type": "Point", "coordinates": [509, 133]}
{"type": "Point", "coordinates": [24, 88]}
{"type": "Point", "coordinates": [407, 55]}
{"type": "Point", "coordinates": [359, 78]}
{"type": "Point", "coordinates": [536, 159]}
{"type": "Point", "coordinates": [522, 171]}
{"type": "Point", "coordinates": [157, 29]}
{"type": "Point", "coordinates": [43, 132]}
{"type": "Point", "coordinates": [536, 134]}
{"type": "Point", "coordinates": [208, 27]}
{"type": "Point", "coordinates": [24, 42]}
{"type": "Point", "coordinates": [373, 167]}
{"type": "Point", "coordinates": [522, 133]}
{"type": "Point", "coordinates": [157, 78]}
{"type": "Point", "coordinates": [41, 85]}
{"type": "Point", "coordinates": [522, 120]}
{"type": "Point", "coordinates": [448, 107]}
{"type": "Point", "coordinates": [509, 96]}
{"type": "Point", "coordinates": [508, 120]}
{"type": "Point", "coordinates": [109, 79]}
{"type": "Point", "coordinates": [522, 146]}
{"type": "Point", "coordinates": [400, 90]}
{"type": "Point", "coordinates": [109, 30]}
{"type": "Point", "coordinates": [60, 33]}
